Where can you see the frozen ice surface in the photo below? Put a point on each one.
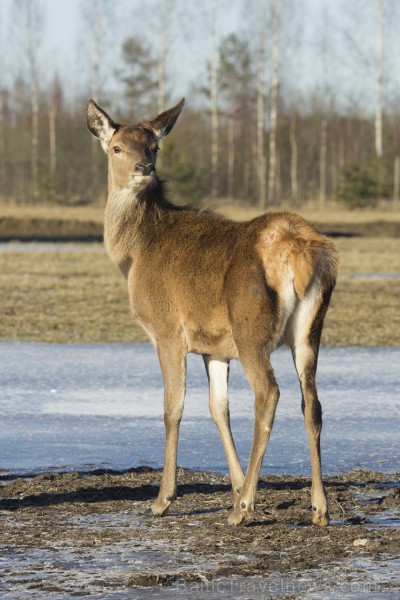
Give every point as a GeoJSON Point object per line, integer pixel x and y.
{"type": "Point", "coordinates": [76, 406]}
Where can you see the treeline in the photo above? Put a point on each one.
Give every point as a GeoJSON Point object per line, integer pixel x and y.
{"type": "Point", "coordinates": [247, 131]}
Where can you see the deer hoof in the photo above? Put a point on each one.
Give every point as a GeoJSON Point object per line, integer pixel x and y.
{"type": "Point", "coordinates": [157, 509]}
{"type": "Point", "coordinates": [239, 516]}
{"type": "Point", "coordinates": [320, 517]}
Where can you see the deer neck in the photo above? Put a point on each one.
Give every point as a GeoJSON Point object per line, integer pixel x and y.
{"type": "Point", "coordinates": [128, 217]}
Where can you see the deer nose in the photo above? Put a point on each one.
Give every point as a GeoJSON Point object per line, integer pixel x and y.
{"type": "Point", "coordinates": [145, 168]}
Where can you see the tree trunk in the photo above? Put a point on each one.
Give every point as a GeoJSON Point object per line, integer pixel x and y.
{"type": "Point", "coordinates": [95, 84]}
{"type": "Point", "coordinates": [53, 133]}
{"type": "Point", "coordinates": [231, 147]}
{"type": "Point", "coordinates": [34, 93]}
{"type": "Point", "coordinates": [2, 144]}
{"type": "Point", "coordinates": [322, 162]}
{"type": "Point", "coordinates": [165, 9]}
{"type": "Point", "coordinates": [396, 187]}
{"type": "Point", "coordinates": [294, 186]}
{"type": "Point", "coordinates": [273, 102]}
{"type": "Point", "coordinates": [214, 100]}
{"type": "Point", "coordinates": [379, 77]}
{"type": "Point", "coordinates": [261, 162]}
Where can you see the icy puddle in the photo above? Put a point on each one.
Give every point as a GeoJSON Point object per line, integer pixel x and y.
{"type": "Point", "coordinates": [88, 406]}
{"type": "Point", "coordinates": [79, 421]}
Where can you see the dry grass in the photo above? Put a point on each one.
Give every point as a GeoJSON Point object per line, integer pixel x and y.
{"type": "Point", "coordinates": [79, 222]}
{"type": "Point", "coordinates": [64, 296]}
{"type": "Point", "coordinates": [77, 295]}
{"type": "Point", "coordinates": [44, 211]}
{"type": "Point", "coordinates": [333, 213]}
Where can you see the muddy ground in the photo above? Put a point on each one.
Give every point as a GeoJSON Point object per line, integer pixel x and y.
{"type": "Point", "coordinates": [75, 534]}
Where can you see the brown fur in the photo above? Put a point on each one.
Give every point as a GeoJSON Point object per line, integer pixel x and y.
{"type": "Point", "coordinates": [201, 283]}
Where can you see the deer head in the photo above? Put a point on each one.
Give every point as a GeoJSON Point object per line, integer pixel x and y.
{"type": "Point", "coordinates": [131, 149]}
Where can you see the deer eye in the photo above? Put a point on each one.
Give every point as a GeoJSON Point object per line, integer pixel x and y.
{"type": "Point", "coordinates": [116, 149]}
{"type": "Point", "coordinates": [155, 149]}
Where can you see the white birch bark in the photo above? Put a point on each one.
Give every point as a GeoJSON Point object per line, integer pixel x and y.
{"type": "Point", "coordinates": [322, 161]}
{"type": "Point", "coordinates": [273, 101]}
{"type": "Point", "coordinates": [34, 97]}
{"type": "Point", "coordinates": [214, 99]}
{"type": "Point", "coordinates": [231, 149]}
{"type": "Point", "coordinates": [165, 9]}
{"type": "Point", "coordinates": [261, 162]}
{"type": "Point", "coordinates": [323, 138]}
{"type": "Point", "coordinates": [95, 80]}
{"type": "Point", "coordinates": [294, 185]}
{"type": "Point", "coordinates": [2, 143]}
{"type": "Point", "coordinates": [53, 109]}
{"type": "Point", "coordinates": [396, 186]}
{"type": "Point", "coordinates": [380, 5]}
{"type": "Point", "coordinates": [96, 50]}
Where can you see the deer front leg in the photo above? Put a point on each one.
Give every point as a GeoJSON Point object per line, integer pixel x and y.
{"type": "Point", "coordinates": [218, 373]}
{"type": "Point", "coordinates": [173, 366]}
{"type": "Point", "coordinates": [266, 399]}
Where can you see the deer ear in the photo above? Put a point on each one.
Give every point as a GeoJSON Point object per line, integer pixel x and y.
{"type": "Point", "coordinates": [100, 124]}
{"type": "Point", "coordinates": [163, 124]}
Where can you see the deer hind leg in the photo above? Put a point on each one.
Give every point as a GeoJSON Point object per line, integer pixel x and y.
{"type": "Point", "coordinates": [262, 380]}
{"type": "Point", "coordinates": [218, 373]}
{"type": "Point", "coordinates": [305, 347]}
{"type": "Point", "coordinates": [173, 367]}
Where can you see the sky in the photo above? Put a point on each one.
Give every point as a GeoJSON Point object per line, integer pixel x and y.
{"type": "Point", "coordinates": [66, 28]}
{"type": "Point", "coordinates": [65, 46]}
{"type": "Point", "coordinates": [67, 39]}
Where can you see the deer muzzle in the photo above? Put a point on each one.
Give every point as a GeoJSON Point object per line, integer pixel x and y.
{"type": "Point", "coordinates": [145, 168]}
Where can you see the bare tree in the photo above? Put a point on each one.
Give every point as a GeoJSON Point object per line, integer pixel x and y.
{"type": "Point", "coordinates": [396, 184]}
{"type": "Point", "coordinates": [29, 12]}
{"type": "Point", "coordinates": [294, 184]}
{"type": "Point", "coordinates": [236, 79]}
{"type": "Point", "coordinates": [55, 98]}
{"type": "Point", "coordinates": [166, 10]}
{"type": "Point", "coordinates": [2, 115]}
{"type": "Point", "coordinates": [323, 149]}
{"type": "Point", "coordinates": [2, 139]}
{"type": "Point", "coordinates": [380, 6]}
{"type": "Point", "coordinates": [323, 134]}
{"type": "Point", "coordinates": [214, 98]}
{"type": "Point", "coordinates": [96, 48]}
{"type": "Point", "coordinates": [261, 160]}
{"type": "Point", "coordinates": [95, 78]}
{"type": "Point", "coordinates": [273, 113]}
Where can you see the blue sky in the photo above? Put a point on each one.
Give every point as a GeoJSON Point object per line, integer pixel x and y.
{"type": "Point", "coordinates": [66, 42]}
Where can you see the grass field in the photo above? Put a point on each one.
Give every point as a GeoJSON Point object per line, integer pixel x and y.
{"type": "Point", "coordinates": [77, 295]}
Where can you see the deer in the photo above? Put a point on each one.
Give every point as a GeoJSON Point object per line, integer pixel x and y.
{"type": "Point", "coordinates": [201, 283]}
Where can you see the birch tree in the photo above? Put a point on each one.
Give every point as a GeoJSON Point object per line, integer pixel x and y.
{"type": "Point", "coordinates": [55, 99]}
{"type": "Point", "coordinates": [2, 112]}
{"type": "Point", "coordinates": [166, 10]}
{"type": "Point", "coordinates": [323, 134]}
{"type": "Point", "coordinates": [236, 90]}
{"type": "Point", "coordinates": [214, 97]}
{"type": "Point", "coordinates": [261, 160]}
{"type": "Point", "coordinates": [273, 115]}
{"type": "Point", "coordinates": [95, 80]}
{"type": "Point", "coordinates": [294, 180]}
{"type": "Point", "coordinates": [29, 12]}
{"type": "Point", "coordinates": [380, 8]}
